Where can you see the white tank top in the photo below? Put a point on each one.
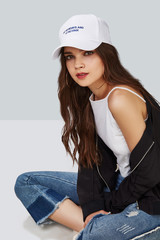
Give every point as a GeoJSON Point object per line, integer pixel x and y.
{"type": "Point", "coordinates": [108, 129]}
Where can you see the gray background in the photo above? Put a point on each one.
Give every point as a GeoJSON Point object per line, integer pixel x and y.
{"type": "Point", "coordinates": [29, 33]}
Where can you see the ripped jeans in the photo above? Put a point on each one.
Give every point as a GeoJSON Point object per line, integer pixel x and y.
{"type": "Point", "coordinates": [42, 192]}
{"type": "Point", "coordinates": [132, 223]}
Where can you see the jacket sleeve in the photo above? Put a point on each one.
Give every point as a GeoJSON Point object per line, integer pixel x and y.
{"type": "Point", "coordinates": [90, 186]}
{"type": "Point", "coordinates": [145, 165]}
{"type": "Point", "coordinates": [90, 195]}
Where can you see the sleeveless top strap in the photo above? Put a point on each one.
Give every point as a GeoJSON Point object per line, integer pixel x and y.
{"type": "Point", "coordinates": [127, 90]}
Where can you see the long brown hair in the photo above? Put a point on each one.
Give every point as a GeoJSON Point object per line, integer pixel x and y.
{"type": "Point", "coordinates": [78, 135]}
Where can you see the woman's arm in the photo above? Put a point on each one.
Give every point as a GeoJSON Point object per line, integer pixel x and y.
{"type": "Point", "coordinates": [127, 109]}
{"type": "Point", "coordinates": [144, 158]}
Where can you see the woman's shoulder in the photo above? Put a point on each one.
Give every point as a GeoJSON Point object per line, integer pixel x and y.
{"type": "Point", "coordinates": [124, 90]}
{"type": "Point", "coordinates": [123, 96]}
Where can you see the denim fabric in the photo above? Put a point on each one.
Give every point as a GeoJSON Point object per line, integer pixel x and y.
{"type": "Point", "coordinates": [42, 192]}
{"type": "Point", "coordinates": [132, 223]}
{"type": "Point", "coordinates": [119, 180]}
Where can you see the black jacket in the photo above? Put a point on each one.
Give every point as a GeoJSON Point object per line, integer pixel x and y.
{"type": "Point", "coordinates": [141, 186]}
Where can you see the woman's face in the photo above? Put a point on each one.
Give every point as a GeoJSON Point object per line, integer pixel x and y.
{"type": "Point", "coordinates": [85, 67]}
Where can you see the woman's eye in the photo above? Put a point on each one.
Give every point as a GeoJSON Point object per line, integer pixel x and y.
{"type": "Point", "coordinates": [68, 57]}
{"type": "Point", "coordinates": [88, 53]}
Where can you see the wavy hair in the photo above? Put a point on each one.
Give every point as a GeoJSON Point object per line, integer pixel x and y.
{"type": "Point", "coordinates": [78, 134]}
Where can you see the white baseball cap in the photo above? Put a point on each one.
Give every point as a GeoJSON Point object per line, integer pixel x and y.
{"type": "Point", "coordinates": [85, 32]}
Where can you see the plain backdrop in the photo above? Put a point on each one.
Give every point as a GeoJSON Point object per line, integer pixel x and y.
{"type": "Point", "coordinates": [29, 33]}
{"type": "Point", "coordinates": [30, 121]}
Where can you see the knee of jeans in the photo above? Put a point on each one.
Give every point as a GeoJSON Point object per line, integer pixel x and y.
{"type": "Point", "coordinates": [21, 182]}
{"type": "Point", "coordinates": [94, 224]}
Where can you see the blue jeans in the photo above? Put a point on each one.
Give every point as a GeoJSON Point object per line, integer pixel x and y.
{"type": "Point", "coordinates": [42, 192]}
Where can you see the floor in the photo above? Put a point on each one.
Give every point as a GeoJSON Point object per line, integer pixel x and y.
{"type": "Point", "coordinates": [29, 146]}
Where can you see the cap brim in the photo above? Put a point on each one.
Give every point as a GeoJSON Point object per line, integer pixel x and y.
{"type": "Point", "coordinates": [91, 45]}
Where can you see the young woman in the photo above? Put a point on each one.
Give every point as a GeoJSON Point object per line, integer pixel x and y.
{"type": "Point", "coordinates": [111, 123]}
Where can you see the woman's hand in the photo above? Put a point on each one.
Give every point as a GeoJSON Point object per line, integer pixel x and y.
{"type": "Point", "coordinates": [89, 217]}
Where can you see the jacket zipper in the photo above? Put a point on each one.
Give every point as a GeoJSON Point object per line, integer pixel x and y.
{"type": "Point", "coordinates": [139, 161]}
{"type": "Point", "coordinates": [137, 204]}
{"type": "Point", "coordinates": [117, 164]}
{"type": "Point", "coordinates": [98, 167]}
{"type": "Point", "coordinates": [142, 158]}
{"type": "Point", "coordinates": [102, 178]}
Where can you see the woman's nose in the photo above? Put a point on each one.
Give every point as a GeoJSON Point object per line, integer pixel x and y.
{"type": "Point", "coordinates": [79, 64]}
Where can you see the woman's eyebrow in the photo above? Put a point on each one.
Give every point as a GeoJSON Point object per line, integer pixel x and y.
{"type": "Point", "coordinates": [72, 53]}
{"type": "Point", "coordinates": [67, 52]}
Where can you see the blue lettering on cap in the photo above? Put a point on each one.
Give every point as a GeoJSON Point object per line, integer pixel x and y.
{"type": "Point", "coordinates": [73, 29]}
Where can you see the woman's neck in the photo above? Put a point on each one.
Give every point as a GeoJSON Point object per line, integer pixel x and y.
{"type": "Point", "coordinates": [101, 91]}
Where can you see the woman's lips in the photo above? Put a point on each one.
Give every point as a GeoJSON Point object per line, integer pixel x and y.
{"type": "Point", "coordinates": [81, 75]}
